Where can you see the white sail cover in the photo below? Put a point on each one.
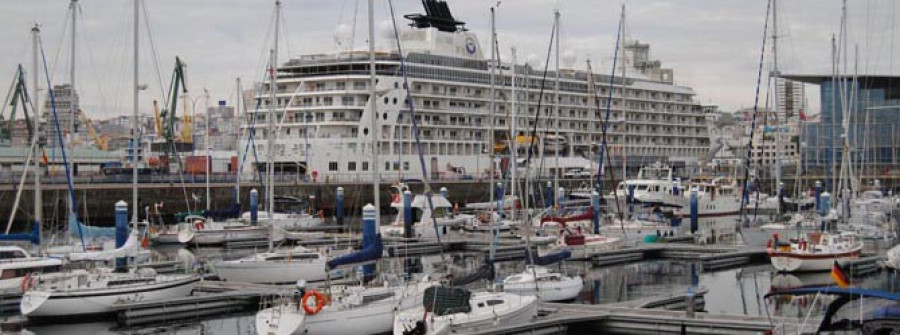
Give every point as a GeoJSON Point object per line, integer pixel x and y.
{"type": "Point", "coordinates": [130, 248]}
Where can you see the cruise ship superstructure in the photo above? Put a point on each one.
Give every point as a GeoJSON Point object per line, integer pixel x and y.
{"type": "Point", "coordinates": [323, 107]}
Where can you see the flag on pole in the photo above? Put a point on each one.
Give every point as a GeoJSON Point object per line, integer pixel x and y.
{"type": "Point", "coordinates": [802, 115]}
{"type": "Point", "coordinates": [838, 275]}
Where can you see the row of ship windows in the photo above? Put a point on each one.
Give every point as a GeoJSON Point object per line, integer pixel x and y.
{"type": "Point", "coordinates": [351, 166]}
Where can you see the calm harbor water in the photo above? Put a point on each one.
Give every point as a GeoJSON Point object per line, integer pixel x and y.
{"type": "Point", "coordinates": [732, 291]}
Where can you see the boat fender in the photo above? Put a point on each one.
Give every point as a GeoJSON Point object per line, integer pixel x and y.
{"type": "Point", "coordinates": [769, 244]}
{"type": "Point", "coordinates": [198, 224]}
{"type": "Point", "coordinates": [26, 283]}
{"type": "Point", "coordinates": [320, 302]}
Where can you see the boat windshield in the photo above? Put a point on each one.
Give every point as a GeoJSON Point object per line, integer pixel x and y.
{"type": "Point", "coordinates": [12, 254]}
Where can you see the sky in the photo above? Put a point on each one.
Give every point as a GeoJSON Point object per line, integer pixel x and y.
{"type": "Point", "coordinates": [712, 45]}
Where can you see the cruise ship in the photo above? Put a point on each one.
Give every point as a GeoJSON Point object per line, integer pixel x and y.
{"type": "Point", "coordinates": [323, 108]}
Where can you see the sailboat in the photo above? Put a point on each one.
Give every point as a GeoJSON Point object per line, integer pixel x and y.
{"type": "Point", "coordinates": [98, 291]}
{"type": "Point", "coordinates": [447, 309]}
{"type": "Point", "coordinates": [351, 309]}
{"type": "Point", "coordinates": [17, 264]}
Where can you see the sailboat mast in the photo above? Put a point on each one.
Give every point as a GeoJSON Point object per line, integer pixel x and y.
{"type": "Point", "coordinates": [556, 101]}
{"type": "Point", "coordinates": [373, 130]}
{"type": "Point", "coordinates": [270, 139]}
{"type": "Point", "coordinates": [239, 167]}
{"type": "Point", "coordinates": [134, 124]}
{"type": "Point", "coordinates": [777, 76]}
{"type": "Point", "coordinates": [513, 138]}
{"type": "Point", "coordinates": [208, 157]}
{"type": "Point", "coordinates": [624, 100]}
{"type": "Point", "coordinates": [492, 65]}
{"type": "Point", "coordinates": [73, 7]}
{"type": "Point", "coordinates": [38, 200]}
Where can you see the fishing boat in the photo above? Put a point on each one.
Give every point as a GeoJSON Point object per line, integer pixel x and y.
{"type": "Point", "coordinates": [98, 291]}
{"type": "Point", "coordinates": [814, 252]}
{"type": "Point", "coordinates": [447, 310]}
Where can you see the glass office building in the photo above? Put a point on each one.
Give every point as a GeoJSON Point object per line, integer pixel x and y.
{"type": "Point", "coordinates": [873, 109]}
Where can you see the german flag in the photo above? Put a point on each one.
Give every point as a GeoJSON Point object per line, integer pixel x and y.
{"type": "Point", "coordinates": [838, 275]}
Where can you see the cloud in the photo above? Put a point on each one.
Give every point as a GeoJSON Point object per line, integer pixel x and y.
{"type": "Point", "coordinates": [713, 46]}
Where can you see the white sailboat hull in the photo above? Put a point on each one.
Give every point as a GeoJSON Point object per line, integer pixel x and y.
{"type": "Point", "coordinates": [796, 262]}
{"type": "Point", "coordinates": [101, 301]}
{"type": "Point", "coordinates": [271, 272]}
{"type": "Point", "coordinates": [563, 290]}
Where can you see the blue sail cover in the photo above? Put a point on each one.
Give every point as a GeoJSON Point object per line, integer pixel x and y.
{"type": "Point", "coordinates": [552, 258]}
{"type": "Point", "coordinates": [90, 231]}
{"type": "Point", "coordinates": [233, 211]}
{"type": "Point", "coordinates": [34, 237]}
{"type": "Point", "coordinates": [366, 254]}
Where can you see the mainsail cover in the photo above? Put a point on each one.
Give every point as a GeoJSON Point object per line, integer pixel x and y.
{"type": "Point", "coordinates": [552, 258]}
{"type": "Point", "coordinates": [130, 248]}
{"type": "Point", "coordinates": [366, 254]}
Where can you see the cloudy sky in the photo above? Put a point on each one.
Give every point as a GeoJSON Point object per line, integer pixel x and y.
{"type": "Point", "coordinates": [712, 45]}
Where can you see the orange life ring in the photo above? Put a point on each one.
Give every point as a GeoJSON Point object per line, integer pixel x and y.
{"type": "Point", "coordinates": [198, 224]}
{"type": "Point", "coordinates": [320, 302]}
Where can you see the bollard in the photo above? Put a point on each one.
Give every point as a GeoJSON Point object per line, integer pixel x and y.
{"type": "Point", "coordinates": [823, 212]}
{"type": "Point", "coordinates": [595, 205]}
{"type": "Point", "coordinates": [444, 193]}
{"type": "Point", "coordinates": [629, 199]}
{"type": "Point", "coordinates": [689, 303]}
{"type": "Point", "coordinates": [694, 210]}
{"type": "Point", "coordinates": [499, 198]}
{"type": "Point", "coordinates": [818, 196]}
{"type": "Point", "coordinates": [339, 208]}
{"type": "Point", "coordinates": [121, 233]}
{"type": "Point", "coordinates": [549, 198]}
{"type": "Point", "coordinates": [780, 197]}
{"type": "Point", "coordinates": [408, 229]}
{"type": "Point", "coordinates": [369, 230]}
{"type": "Point", "coordinates": [254, 206]}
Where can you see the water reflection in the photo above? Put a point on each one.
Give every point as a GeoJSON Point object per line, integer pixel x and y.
{"type": "Point", "coordinates": [733, 291]}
